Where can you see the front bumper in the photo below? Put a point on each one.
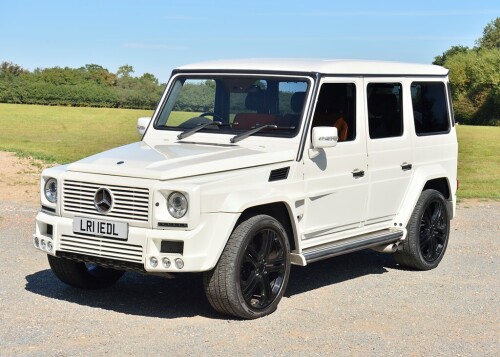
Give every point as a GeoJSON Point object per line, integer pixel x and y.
{"type": "Point", "coordinates": [202, 246]}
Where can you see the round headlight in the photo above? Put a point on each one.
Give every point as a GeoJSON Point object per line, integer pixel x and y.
{"type": "Point", "coordinates": [177, 204]}
{"type": "Point", "coordinates": [51, 190]}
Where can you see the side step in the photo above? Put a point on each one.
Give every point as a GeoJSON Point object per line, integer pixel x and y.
{"type": "Point", "coordinates": [353, 244]}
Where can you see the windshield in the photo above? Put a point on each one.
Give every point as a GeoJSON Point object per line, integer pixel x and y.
{"type": "Point", "coordinates": [235, 105]}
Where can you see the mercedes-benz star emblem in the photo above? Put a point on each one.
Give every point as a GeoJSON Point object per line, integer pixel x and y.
{"type": "Point", "coordinates": [103, 200]}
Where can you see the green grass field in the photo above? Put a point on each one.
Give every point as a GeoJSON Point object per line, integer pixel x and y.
{"type": "Point", "coordinates": [65, 134]}
{"type": "Point", "coordinates": [479, 161]}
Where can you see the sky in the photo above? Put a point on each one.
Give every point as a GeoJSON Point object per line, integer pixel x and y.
{"type": "Point", "coordinates": [156, 36]}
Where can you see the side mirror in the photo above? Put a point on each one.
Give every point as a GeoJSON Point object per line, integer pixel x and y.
{"type": "Point", "coordinates": [324, 137]}
{"type": "Point", "coordinates": [142, 125]}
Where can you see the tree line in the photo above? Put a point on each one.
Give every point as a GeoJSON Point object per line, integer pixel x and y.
{"type": "Point", "coordinates": [88, 86]}
{"type": "Point", "coordinates": [474, 75]}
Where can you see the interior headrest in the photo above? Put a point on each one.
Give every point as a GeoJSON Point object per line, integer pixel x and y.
{"type": "Point", "coordinates": [297, 101]}
{"type": "Point", "coordinates": [256, 101]}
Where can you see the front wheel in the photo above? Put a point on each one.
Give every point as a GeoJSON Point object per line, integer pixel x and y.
{"type": "Point", "coordinates": [428, 232]}
{"type": "Point", "coordinates": [251, 276]}
{"type": "Point", "coordinates": [83, 275]}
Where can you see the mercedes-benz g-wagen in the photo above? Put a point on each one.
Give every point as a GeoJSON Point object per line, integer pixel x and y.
{"type": "Point", "coordinates": [249, 166]}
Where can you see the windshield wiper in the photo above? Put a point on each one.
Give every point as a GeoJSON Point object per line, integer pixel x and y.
{"type": "Point", "coordinates": [191, 131]}
{"type": "Point", "coordinates": [246, 134]}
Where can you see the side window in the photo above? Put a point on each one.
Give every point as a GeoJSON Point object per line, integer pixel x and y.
{"type": "Point", "coordinates": [385, 110]}
{"type": "Point", "coordinates": [336, 106]}
{"type": "Point", "coordinates": [430, 112]}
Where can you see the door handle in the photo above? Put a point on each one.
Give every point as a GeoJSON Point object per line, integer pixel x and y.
{"type": "Point", "coordinates": [405, 166]}
{"type": "Point", "coordinates": [358, 173]}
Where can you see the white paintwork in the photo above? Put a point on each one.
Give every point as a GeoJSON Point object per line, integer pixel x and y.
{"type": "Point", "coordinates": [323, 200]}
{"type": "Point", "coordinates": [166, 162]}
{"type": "Point", "coordinates": [142, 125]}
{"type": "Point", "coordinates": [325, 66]}
{"type": "Point", "coordinates": [324, 137]}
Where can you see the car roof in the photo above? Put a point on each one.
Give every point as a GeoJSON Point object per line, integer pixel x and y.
{"type": "Point", "coordinates": [323, 66]}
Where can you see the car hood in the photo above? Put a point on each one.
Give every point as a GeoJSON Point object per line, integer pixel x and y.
{"type": "Point", "coordinates": [165, 162]}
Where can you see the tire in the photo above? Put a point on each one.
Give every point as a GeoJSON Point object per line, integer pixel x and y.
{"type": "Point", "coordinates": [83, 275]}
{"type": "Point", "coordinates": [252, 273]}
{"type": "Point", "coordinates": [428, 233]}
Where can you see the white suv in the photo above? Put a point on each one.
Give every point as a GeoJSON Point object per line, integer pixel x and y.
{"type": "Point", "coordinates": [247, 167]}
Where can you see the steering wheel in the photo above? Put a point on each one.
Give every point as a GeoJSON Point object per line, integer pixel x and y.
{"type": "Point", "coordinates": [213, 115]}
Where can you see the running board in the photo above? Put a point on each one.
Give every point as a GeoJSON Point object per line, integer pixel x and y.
{"type": "Point", "coordinates": [353, 244]}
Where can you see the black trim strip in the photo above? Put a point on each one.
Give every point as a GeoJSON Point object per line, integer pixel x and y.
{"type": "Point", "coordinates": [172, 225]}
{"type": "Point", "coordinates": [104, 262]}
{"type": "Point", "coordinates": [243, 72]}
{"type": "Point", "coordinates": [338, 248]}
{"type": "Point", "coordinates": [48, 209]}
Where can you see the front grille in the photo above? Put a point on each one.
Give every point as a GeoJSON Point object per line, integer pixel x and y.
{"type": "Point", "coordinates": [101, 247]}
{"type": "Point", "coordinates": [130, 203]}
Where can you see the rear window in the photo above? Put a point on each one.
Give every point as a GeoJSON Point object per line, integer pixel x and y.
{"type": "Point", "coordinates": [430, 112]}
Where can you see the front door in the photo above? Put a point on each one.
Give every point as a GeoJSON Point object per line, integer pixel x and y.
{"type": "Point", "coordinates": [336, 177]}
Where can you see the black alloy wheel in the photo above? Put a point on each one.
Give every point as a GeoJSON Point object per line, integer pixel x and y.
{"type": "Point", "coordinates": [433, 231]}
{"type": "Point", "coordinates": [263, 270]}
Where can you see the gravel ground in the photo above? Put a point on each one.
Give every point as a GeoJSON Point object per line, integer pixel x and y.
{"type": "Point", "coordinates": [358, 305]}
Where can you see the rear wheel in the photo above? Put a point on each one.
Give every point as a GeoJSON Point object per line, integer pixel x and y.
{"type": "Point", "coordinates": [252, 273]}
{"type": "Point", "coordinates": [428, 232]}
{"type": "Point", "coordinates": [83, 275]}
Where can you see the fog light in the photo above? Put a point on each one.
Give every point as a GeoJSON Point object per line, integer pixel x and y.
{"type": "Point", "coordinates": [49, 246]}
{"type": "Point", "coordinates": [42, 244]}
{"type": "Point", "coordinates": [179, 263]}
{"type": "Point", "coordinates": [36, 242]}
{"type": "Point", "coordinates": [166, 263]}
{"type": "Point", "coordinates": [153, 262]}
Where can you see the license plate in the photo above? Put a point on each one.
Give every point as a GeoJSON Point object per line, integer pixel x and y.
{"type": "Point", "coordinates": [101, 228]}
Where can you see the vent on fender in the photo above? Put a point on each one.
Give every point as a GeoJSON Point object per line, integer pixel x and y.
{"type": "Point", "coordinates": [279, 174]}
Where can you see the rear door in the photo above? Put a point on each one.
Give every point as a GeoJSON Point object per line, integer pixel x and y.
{"type": "Point", "coordinates": [389, 148]}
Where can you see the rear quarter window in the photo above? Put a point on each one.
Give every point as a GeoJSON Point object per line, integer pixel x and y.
{"type": "Point", "coordinates": [430, 111]}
